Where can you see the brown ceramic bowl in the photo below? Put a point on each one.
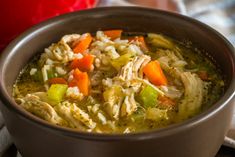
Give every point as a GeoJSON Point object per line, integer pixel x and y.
{"type": "Point", "coordinates": [200, 136]}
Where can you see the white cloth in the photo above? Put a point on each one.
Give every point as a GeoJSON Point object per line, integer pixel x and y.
{"type": "Point", "coordinates": [230, 138]}
{"type": "Point", "coordinates": [5, 138]}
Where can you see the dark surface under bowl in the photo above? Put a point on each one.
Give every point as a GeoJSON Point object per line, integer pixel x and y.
{"type": "Point", "coordinates": [200, 136]}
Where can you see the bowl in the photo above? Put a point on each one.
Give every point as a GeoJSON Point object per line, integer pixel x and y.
{"type": "Point", "coordinates": [200, 136]}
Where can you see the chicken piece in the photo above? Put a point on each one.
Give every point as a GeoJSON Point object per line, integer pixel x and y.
{"type": "Point", "coordinates": [95, 109]}
{"type": "Point", "coordinates": [128, 78]}
{"type": "Point", "coordinates": [173, 64]}
{"type": "Point", "coordinates": [171, 91]}
{"type": "Point", "coordinates": [75, 116]}
{"type": "Point", "coordinates": [114, 109]}
{"type": "Point", "coordinates": [70, 38]}
{"type": "Point", "coordinates": [126, 72]}
{"type": "Point", "coordinates": [129, 106]}
{"type": "Point", "coordinates": [61, 52]}
{"type": "Point", "coordinates": [131, 69]}
{"type": "Point", "coordinates": [195, 92]}
{"type": "Point", "coordinates": [113, 97]}
{"type": "Point", "coordinates": [33, 104]}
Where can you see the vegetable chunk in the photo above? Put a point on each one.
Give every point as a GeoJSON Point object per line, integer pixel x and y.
{"type": "Point", "coordinates": [155, 74]}
{"type": "Point", "coordinates": [148, 96]}
{"type": "Point", "coordinates": [56, 92]}
{"type": "Point", "coordinates": [83, 44]}
{"type": "Point", "coordinates": [113, 34]}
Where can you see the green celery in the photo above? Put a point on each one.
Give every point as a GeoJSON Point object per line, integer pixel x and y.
{"type": "Point", "coordinates": [51, 73]}
{"type": "Point", "coordinates": [121, 61]}
{"type": "Point", "coordinates": [160, 41]}
{"type": "Point", "coordinates": [38, 76]}
{"type": "Point", "coordinates": [148, 97]}
{"type": "Point", "coordinates": [56, 92]}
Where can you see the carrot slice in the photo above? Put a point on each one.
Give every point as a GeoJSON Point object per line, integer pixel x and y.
{"type": "Point", "coordinates": [83, 44]}
{"type": "Point", "coordinates": [74, 64]}
{"type": "Point", "coordinates": [154, 73]}
{"type": "Point", "coordinates": [73, 83]}
{"type": "Point", "coordinates": [84, 83]}
{"type": "Point", "coordinates": [81, 80]}
{"type": "Point", "coordinates": [141, 40]}
{"type": "Point", "coordinates": [76, 73]}
{"type": "Point", "coordinates": [113, 34]}
{"type": "Point", "coordinates": [84, 64]}
{"type": "Point", "coordinates": [57, 80]}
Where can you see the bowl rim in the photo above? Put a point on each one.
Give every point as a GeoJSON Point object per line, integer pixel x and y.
{"type": "Point", "coordinates": [9, 102]}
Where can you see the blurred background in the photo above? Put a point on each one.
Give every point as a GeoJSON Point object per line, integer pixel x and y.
{"type": "Point", "coordinates": [220, 14]}
{"type": "Point", "coordinates": [19, 15]}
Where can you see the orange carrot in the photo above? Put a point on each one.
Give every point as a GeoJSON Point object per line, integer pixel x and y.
{"type": "Point", "coordinates": [84, 83]}
{"type": "Point", "coordinates": [74, 64]}
{"type": "Point", "coordinates": [84, 64]}
{"type": "Point", "coordinates": [76, 73]}
{"type": "Point", "coordinates": [83, 44]}
{"type": "Point", "coordinates": [141, 40]}
{"type": "Point", "coordinates": [113, 34]}
{"type": "Point", "coordinates": [81, 80]}
{"type": "Point", "coordinates": [154, 73]}
{"type": "Point", "coordinates": [57, 80]}
{"type": "Point", "coordinates": [73, 83]}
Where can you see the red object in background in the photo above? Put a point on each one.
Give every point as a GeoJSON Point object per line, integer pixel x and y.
{"type": "Point", "coordinates": [18, 15]}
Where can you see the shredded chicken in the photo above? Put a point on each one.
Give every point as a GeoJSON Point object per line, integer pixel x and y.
{"type": "Point", "coordinates": [195, 90]}
{"type": "Point", "coordinates": [77, 117]}
{"type": "Point", "coordinates": [128, 78]}
{"type": "Point", "coordinates": [129, 105]}
{"type": "Point", "coordinates": [133, 69]}
{"type": "Point", "coordinates": [33, 104]}
{"type": "Point", "coordinates": [70, 38]}
{"type": "Point", "coordinates": [95, 109]}
{"type": "Point", "coordinates": [194, 87]}
{"type": "Point", "coordinates": [61, 52]}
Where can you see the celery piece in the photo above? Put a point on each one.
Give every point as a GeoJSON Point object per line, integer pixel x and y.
{"type": "Point", "coordinates": [56, 92]}
{"type": "Point", "coordinates": [148, 97]}
{"type": "Point", "coordinates": [121, 61]}
{"type": "Point", "coordinates": [38, 76]}
{"type": "Point", "coordinates": [160, 41]}
{"type": "Point", "coordinates": [51, 73]}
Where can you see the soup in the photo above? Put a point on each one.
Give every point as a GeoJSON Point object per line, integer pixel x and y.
{"type": "Point", "coordinates": [118, 82]}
